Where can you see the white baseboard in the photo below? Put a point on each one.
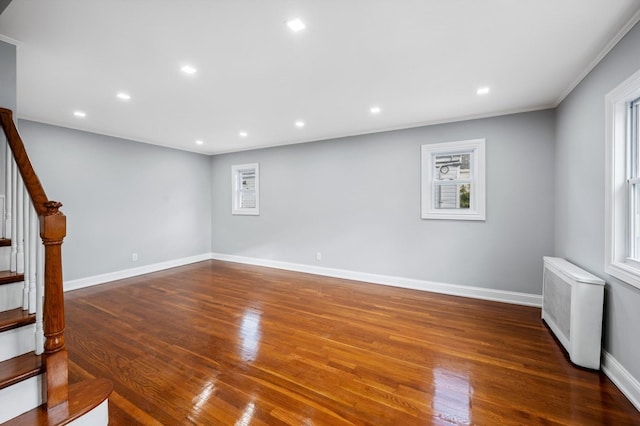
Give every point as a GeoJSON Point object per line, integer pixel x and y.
{"type": "Point", "coordinates": [128, 273]}
{"type": "Point", "coordinates": [628, 385]}
{"type": "Point", "coordinates": [517, 298]}
{"type": "Point", "coordinates": [434, 287]}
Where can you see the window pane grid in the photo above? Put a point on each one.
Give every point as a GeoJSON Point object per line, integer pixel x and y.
{"type": "Point", "coordinates": [453, 180]}
{"type": "Point", "coordinates": [452, 196]}
{"type": "Point", "coordinates": [245, 189]}
{"type": "Point", "coordinates": [452, 166]}
{"type": "Point", "coordinates": [634, 149]}
{"type": "Point", "coordinates": [634, 235]}
{"type": "Point", "coordinates": [622, 156]}
{"type": "Point", "coordinates": [633, 183]}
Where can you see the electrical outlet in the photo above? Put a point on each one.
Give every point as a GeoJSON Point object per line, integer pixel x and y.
{"type": "Point", "coordinates": [318, 255]}
{"type": "Point", "coordinates": [134, 257]}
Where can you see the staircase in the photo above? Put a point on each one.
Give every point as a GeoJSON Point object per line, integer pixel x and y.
{"type": "Point", "coordinates": [34, 385]}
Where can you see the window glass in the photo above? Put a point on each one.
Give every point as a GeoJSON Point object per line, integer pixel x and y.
{"type": "Point", "coordinates": [633, 150]}
{"type": "Point", "coordinates": [245, 186]}
{"type": "Point", "coordinates": [453, 180]}
{"type": "Point", "coordinates": [622, 181]}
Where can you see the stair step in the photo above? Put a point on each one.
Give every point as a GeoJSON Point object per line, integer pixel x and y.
{"type": "Point", "coordinates": [19, 368]}
{"type": "Point", "coordinates": [8, 277]}
{"type": "Point", "coordinates": [15, 318]}
{"type": "Point", "coordinates": [83, 397]}
{"type": "Point", "coordinates": [5, 242]}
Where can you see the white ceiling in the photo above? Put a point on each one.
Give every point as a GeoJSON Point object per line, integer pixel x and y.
{"type": "Point", "coordinates": [420, 61]}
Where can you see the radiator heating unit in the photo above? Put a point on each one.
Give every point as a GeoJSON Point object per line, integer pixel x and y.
{"type": "Point", "coordinates": [572, 301]}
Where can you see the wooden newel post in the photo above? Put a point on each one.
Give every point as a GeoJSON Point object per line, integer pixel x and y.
{"type": "Point", "coordinates": [52, 231]}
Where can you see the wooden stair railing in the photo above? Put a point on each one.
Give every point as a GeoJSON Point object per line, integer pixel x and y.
{"type": "Point", "coordinates": [52, 232]}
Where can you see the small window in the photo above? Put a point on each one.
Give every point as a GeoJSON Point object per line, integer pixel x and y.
{"type": "Point", "coordinates": [453, 180]}
{"type": "Point", "coordinates": [622, 187]}
{"type": "Point", "coordinates": [245, 189]}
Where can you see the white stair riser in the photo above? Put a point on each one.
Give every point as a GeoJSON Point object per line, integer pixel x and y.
{"type": "Point", "coordinates": [11, 296]}
{"type": "Point", "coordinates": [99, 416]}
{"type": "Point", "coordinates": [20, 398]}
{"type": "Point", "coordinates": [17, 342]}
{"type": "Point", "coordinates": [5, 258]}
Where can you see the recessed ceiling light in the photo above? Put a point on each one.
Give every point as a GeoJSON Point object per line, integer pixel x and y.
{"type": "Point", "coordinates": [296, 25]}
{"type": "Point", "coordinates": [243, 134]}
{"type": "Point", "coordinates": [375, 110]}
{"type": "Point", "coordinates": [188, 69]}
{"type": "Point", "coordinates": [124, 96]}
{"type": "Point", "coordinates": [199, 142]}
{"type": "Point", "coordinates": [299, 123]}
{"type": "Point", "coordinates": [483, 91]}
{"type": "Point", "coordinates": [80, 114]}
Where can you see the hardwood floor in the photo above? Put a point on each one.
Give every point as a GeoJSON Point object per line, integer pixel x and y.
{"type": "Point", "coordinates": [218, 343]}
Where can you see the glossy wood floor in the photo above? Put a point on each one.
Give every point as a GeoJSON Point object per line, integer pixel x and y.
{"type": "Point", "coordinates": [217, 343]}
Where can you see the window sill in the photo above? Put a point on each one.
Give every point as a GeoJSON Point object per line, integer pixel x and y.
{"type": "Point", "coordinates": [624, 272]}
{"type": "Point", "coordinates": [453, 215]}
{"type": "Point", "coordinates": [248, 212]}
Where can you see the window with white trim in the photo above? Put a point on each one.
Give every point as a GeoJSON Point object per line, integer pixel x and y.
{"type": "Point", "coordinates": [634, 182]}
{"type": "Point", "coordinates": [622, 189]}
{"type": "Point", "coordinates": [245, 189]}
{"type": "Point", "coordinates": [453, 180]}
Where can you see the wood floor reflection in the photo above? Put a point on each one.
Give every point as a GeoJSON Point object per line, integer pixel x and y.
{"type": "Point", "coordinates": [218, 343]}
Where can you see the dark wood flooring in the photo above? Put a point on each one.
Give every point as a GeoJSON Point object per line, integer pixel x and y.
{"type": "Point", "coordinates": [218, 343]}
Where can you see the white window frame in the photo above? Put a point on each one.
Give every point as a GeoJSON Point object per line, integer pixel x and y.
{"type": "Point", "coordinates": [236, 189]}
{"type": "Point", "coordinates": [617, 193]}
{"type": "Point", "coordinates": [477, 209]}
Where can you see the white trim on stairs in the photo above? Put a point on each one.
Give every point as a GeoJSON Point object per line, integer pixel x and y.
{"type": "Point", "coordinates": [17, 341]}
{"type": "Point", "coordinates": [11, 295]}
{"type": "Point", "coordinates": [517, 298]}
{"type": "Point", "coordinates": [133, 272]}
{"type": "Point", "coordinates": [628, 385]}
{"type": "Point", "coordinates": [97, 416]}
{"type": "Point", "coordinates": [20, 397]}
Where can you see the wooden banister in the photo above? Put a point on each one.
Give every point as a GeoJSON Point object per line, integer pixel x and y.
{"type": "Point", "coordinates": [52, 231]}
{"type": "Point", "coordinates": [31, 181]}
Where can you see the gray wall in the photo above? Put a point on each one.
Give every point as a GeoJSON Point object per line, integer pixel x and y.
{"type": "Point", "coordinates": [121, 197]}
{"type": "Point", "coordinates": [8, 84]}
{"type": "Point", "coordinates": [3, 5]}
{"type": "Point", "coordinates": [8, 92]}
{"type": "Point", "coordinates": [357, 200]}
{"type": "Point", "coordinates": [579, 211]}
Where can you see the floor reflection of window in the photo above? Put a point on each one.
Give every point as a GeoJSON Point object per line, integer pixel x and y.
{"type": "Point", "coordinates": [202, 397]}
{"type": "Point", "coordinates": [247, 414]}
{"type": "Point", "coordinates": [249, 335]}
{"type": "Point", "coordinates": [452, 396]}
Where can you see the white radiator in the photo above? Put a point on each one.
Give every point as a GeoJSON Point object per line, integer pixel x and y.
{"type": "Point", "coordinates": [572, 302]}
